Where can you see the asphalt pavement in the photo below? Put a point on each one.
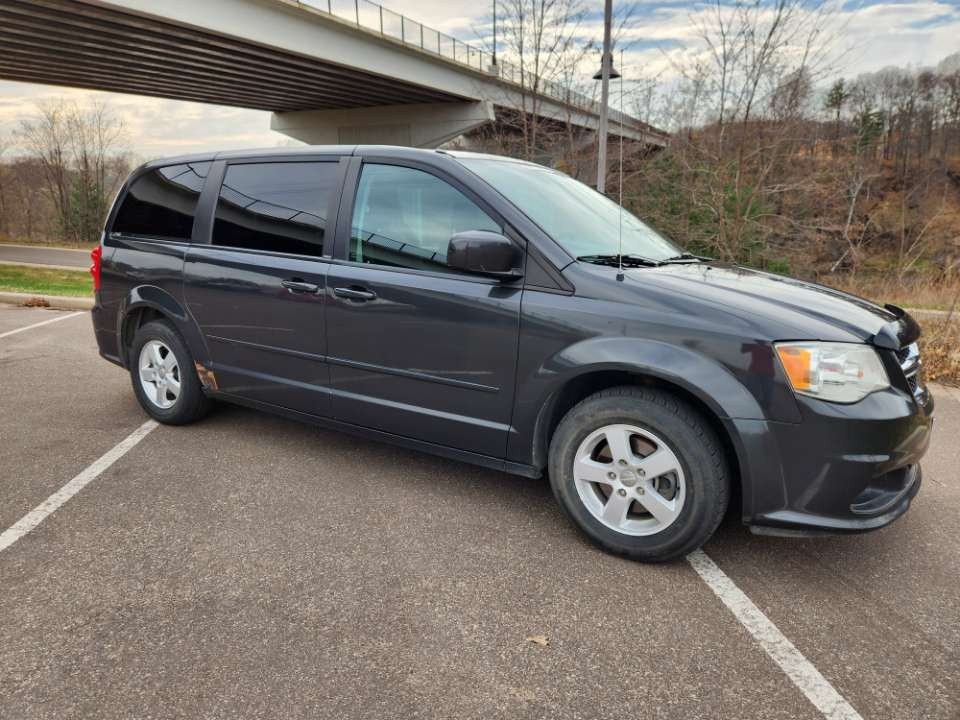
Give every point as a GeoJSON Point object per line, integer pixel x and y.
{"type": "Point", "coordinates": [253, 567]}
{"type": "Point", "coordinates": [37, 255]}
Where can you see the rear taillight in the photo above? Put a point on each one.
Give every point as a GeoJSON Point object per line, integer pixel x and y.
{"type": "Point", "coordinates": [96, 255]}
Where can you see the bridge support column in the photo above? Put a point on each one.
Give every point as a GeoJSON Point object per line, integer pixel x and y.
{"type": "Point", "coordinates": [423, 126]}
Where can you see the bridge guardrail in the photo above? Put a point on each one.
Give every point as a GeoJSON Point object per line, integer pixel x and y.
{"type": "Point", "coordinates": [375, 18]}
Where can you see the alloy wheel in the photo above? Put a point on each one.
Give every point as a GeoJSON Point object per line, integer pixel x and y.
{"type": "Point", "coordinates": [159, 374]}
{"type": "Point", "coordinates": [629, 479]}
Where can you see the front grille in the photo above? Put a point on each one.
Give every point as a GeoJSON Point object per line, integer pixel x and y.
{"type": "Point", "coordinates": [909, 359]}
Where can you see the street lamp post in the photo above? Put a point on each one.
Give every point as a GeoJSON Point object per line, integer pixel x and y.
{"type": "Point", "coordinates": [494, 32]}
{"type": "Point", "coordinates": [606, 66]}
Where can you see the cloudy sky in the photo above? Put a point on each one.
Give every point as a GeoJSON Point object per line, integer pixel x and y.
{"type": "Point", "coordinates": [875, 34]}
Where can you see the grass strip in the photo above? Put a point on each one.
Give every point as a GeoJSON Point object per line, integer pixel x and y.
{"type": "Point", "coordinates": [43, 281]}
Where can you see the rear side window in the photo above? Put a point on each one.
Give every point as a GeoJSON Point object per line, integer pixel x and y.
{"type": "Point", "coordinates": [279, 207]}
{"type": "Point", "coordinates": [162, 203]}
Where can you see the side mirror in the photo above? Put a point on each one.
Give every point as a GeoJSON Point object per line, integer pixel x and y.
{"type": "Point", "coordinates": [485, 253]}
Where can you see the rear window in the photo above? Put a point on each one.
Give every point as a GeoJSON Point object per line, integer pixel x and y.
{"type": "Point", "coordinates": [279, 207]}
{"type": "Point", "coordinates": [161, 203]}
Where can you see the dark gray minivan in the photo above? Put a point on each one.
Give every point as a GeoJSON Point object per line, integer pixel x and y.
{"type": "Point", "coordinates": [502, 313]}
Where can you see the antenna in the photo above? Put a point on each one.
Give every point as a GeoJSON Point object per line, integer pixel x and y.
{"type": "Point", "coordinates": [620, 182]}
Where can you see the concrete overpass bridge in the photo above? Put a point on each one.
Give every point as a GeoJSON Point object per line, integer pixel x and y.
{"type": "Point", "coordinates": [330, 71]}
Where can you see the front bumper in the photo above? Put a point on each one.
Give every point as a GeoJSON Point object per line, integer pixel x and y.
{"type": "Point", "coordinates": [843, 468]}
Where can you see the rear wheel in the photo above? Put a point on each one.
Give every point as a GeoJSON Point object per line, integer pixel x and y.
{"type": "Point", "coordinates": [640, 472]}
{"type": "Point", "coordinates": [163, 377]}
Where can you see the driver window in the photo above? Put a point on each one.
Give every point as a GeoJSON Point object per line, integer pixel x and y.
{"type": "Point", "coordinates": [404, 217]}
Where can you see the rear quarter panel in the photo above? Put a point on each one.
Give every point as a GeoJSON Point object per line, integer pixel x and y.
{"type": "Point", "coordinates": [141, 273]}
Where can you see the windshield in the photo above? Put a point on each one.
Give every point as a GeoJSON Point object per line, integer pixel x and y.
{"type": "Point", "coordinates": [579, 218]}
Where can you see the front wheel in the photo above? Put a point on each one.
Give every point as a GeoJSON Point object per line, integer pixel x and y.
{"type": "Point", "coordinates": [640, 472]}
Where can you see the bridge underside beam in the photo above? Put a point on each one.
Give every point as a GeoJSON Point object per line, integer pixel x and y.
{"type": "Point", "coordinates": [77, 44]}
{"type": "Point", "coordinates": [425, 126]}
{"type": "Point", "coordinates": [276, 55]}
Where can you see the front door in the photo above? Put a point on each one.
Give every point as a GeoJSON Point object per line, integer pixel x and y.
{"type": "Point", "coordinates": [416, 349]}
{"type": "Point", "coordinates": [257, 290]}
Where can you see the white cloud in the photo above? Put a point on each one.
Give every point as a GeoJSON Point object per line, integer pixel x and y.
{"type": "Point", "coordinates": [449, 16]}
{"type": "Point", "coordinates": [153, 127]}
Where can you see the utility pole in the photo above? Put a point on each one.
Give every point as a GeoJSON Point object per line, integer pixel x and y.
{"type": "Point", "coordinates": [606, 64]}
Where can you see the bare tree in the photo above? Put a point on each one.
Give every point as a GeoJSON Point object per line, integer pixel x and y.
{"type": "Point", "coordinates": [75, 146]}
{"type": "Point", "coordinates": [750, 88]}
{"type": "Point", "coordinates": [541, 47]}
{"type": "Point", "coordinates": [46, 138]}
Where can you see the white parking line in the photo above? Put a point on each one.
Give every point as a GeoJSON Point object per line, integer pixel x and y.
{"type": "Point", "coordinates": [36, 325]}
{"type": "Point", "coordinates": [42, 511]}
{"type": "Point", "coordinates": [801, 671]}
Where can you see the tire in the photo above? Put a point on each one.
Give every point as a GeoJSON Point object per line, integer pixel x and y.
{"type": "Point", "coordinates": [635, 424]}
{"type": "Point", "coordinates": [185, 405]}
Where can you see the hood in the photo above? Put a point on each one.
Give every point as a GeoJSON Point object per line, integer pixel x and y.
{"type": "Point", "coordinates": [792, 309]}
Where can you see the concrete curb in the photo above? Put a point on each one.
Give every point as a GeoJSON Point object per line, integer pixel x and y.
{"type": "Point", "coordinates": [940, 390]}
{"type": "Point", "coordinates": [919, 312]}
{"type": "Point", "coordinates": [55, 302]}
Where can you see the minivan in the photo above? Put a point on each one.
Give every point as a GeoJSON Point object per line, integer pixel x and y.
{"type": "Point", "coordinates": [502, 313]}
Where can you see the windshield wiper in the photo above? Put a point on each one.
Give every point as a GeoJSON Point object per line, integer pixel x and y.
{"type": "Point", "coordinates": [684, 257]}
{"type": "Point", "coordinates": [614, 260]}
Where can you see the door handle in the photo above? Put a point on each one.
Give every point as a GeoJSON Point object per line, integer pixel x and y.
{"type": "Point", "coordinates": [354, 293]}
{"type": "Point", "coordinates": [298, 286]}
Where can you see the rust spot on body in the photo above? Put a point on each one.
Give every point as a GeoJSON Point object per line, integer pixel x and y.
{"type": "Point", "coordinates": [207, 378]}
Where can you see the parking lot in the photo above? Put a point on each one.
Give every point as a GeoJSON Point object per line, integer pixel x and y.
{"type": "Point", "coordinates": [249, 566]}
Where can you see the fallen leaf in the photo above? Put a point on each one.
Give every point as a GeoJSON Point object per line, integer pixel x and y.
{"type": "Point", "coordinates": [542, 640]}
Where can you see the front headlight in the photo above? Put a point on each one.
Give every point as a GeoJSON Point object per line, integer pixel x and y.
{"type": "Point", "coordinates": [836, 372]}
